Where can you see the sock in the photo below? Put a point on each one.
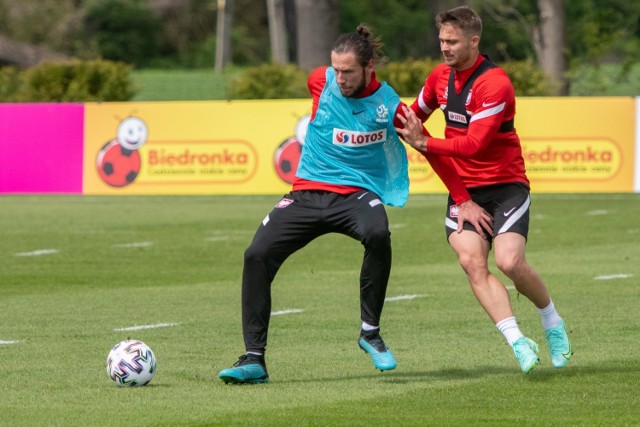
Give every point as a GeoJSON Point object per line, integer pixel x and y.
{"type": "Point", "coordinates": [549, 316]}
{"type": "Point", "coordinates": [510, 330]}
{"type": "Point", "coordinates": [368, 327]}
{"type": "Point", "coordinates": [254, 353]}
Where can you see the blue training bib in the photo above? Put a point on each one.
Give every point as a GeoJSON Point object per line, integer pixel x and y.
{"type": "Point", "coordinates": [352, 141]}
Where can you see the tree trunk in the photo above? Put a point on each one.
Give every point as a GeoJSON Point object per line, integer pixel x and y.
{"type": "Point", "coordinates": [549, 42]}
{"type": "Point", "coordinates": [317, 29]}
{"type": "Point", "coordinates": [223, 34]}
{"type": "Point", "coordinates": [278, 31]}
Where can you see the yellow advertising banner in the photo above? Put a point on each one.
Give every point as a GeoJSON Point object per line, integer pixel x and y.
{"type": "Point", "coordinates": [253, 147]}
{"type": "Point", "coordinates": [573, 145]}
{"type": "Point", "coordinates": [570, 145]}
{"type": "Point", "coordinates": [191, 147]}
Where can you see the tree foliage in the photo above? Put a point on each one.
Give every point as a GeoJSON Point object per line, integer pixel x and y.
{"type": "Point", "coordinates": [124, 30]}
{"type": "Point", "coordinates": [54, 24]}
{"type": "Point", "coordinates": [604, 34]}
{"type": "Point", "coordinates": [181, 33]}
{"type": "Point", "coordinates": [179, 29]}
{"type": "Point", "coordinates": [405, 26]}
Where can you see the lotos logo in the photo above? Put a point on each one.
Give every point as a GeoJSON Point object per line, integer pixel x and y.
{"type": "Point", "coordinates": [456, 117]}
{"type": "Point", "coordinates": [342, 138]}
{"type": "Point", "coordinates": [358, 139]}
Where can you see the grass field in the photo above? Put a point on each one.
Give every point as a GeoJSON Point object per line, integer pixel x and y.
{"type": "Point", "coordinates": [75, 269]}
{"type": "Point", "coordinates": [181, 85]}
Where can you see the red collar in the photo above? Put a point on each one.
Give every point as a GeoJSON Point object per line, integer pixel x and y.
{"type": "Point", "coordinates": [369, 90]}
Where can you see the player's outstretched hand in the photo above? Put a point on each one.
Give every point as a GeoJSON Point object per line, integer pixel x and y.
{"type": "Point", "coordinates": [412, 130]}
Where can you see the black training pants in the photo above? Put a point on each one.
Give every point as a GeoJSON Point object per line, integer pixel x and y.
{"type": "Point", "coordinates": [297, 219]}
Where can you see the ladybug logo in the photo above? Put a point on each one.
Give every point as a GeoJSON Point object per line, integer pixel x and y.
{"type": "Point", "coordinates": [118, 160]}
{"type": "Point", "coordinates": [287, 155]}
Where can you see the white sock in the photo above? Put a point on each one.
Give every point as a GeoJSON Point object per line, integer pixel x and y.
{"type": "Point", "coordinates": [510, 330]}
{"type": "Point", "coordinates": [549, 316]}
{"type": "Point", "coordinates": [368, 327]}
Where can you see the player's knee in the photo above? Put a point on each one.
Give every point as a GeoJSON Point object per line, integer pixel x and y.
{"type": "Point", "coordinates": [254, 253]}
{"type": "Point", "coordinates": [471, 264]}
{"type": "Point", "coordinates": [377, 236]}
{"type": "Point", "coordinates": [509, 265]}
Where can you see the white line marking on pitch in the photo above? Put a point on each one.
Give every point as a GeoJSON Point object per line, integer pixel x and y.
{"type": "Point", "coordinates": [598, 212]}
{"type": "Point", "coordinates": [290, 311]}
{"type": "Point", "coordinates": [398, 225]}
{"type": "Point", "coordinates": [133, 245]}
{"type": "Point", "coordinates": [219, 238]}
{"type": "Point", "coordinates": [141, 327]}
{"type": "Point", "coordinates": [231, 232]}
{"type": "Point", "coordinates": [227, 235]}
{"type": "Point", "coordinates": [612, 276]}
{"type": "Point", "coordinates": [8, 342]}
{"type": "Point", "coordinates": [403, 297]}
{"type": "Point", "coordinates": [38, 252]}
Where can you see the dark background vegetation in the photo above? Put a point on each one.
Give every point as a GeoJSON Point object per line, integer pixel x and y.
{"type": "Point", "coordinates": [171, 37]}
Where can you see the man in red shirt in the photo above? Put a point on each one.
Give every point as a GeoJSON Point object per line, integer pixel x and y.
{"type": "Point", "coordinates": [352, 164]}
{"type": "Point", "coordinates": [478, 101]}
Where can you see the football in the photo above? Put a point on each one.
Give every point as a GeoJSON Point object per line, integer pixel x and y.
{"type": "Point", "coordinates": [117, 165]}
{"type": "Point", "coordinates": [131, 363]}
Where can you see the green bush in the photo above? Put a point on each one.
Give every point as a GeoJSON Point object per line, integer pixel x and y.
{"type": "Point", "coordinates": [11, 82]}
{"type": "Point", "coordinates": [407, 77]}
{"type": "Point", "coordinates": [528, 78]}
{"type": "Point", "coordinates": [270, 81]}
{"type": "Point", "coordinates": [75, 81]}
{"type": "Point", "coordinates": [605, 80]}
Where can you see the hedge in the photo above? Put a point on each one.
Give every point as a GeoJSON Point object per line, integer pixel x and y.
{"type": "Point", "coordinates": [73, 81]}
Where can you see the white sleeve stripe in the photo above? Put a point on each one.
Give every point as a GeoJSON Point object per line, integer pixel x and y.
{"type": "Point", "coordinates": [421, 103]}
{"type": "Point", "coordinates": [488, 112]}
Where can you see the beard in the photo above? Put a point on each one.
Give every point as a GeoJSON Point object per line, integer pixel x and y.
{"type": "Point", "coordinates": [356, 90]}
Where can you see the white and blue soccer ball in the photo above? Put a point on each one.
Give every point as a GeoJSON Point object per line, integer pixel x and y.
{"type": "Point", "coordinates": [131, 363]}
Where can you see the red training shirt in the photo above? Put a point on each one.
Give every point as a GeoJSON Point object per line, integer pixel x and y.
{"type": "Point", "coordinates": [481, 154]}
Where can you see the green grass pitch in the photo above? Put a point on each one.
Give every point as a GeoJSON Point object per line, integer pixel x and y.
{"type": "Point", "coordinates": [75, 269]}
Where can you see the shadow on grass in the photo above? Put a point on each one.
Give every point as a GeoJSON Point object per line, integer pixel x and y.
{"type": "Point", "coordinates": [541, 373]}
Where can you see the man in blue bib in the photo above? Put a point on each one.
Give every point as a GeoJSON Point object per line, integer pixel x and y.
{"type": "Point", "coordinates": [352, 164]}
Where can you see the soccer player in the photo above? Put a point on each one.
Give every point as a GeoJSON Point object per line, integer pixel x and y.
{"type": "Point", "coordinates": [352, 164]}
{"type": "Point", "coordinates": [478, 102]}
